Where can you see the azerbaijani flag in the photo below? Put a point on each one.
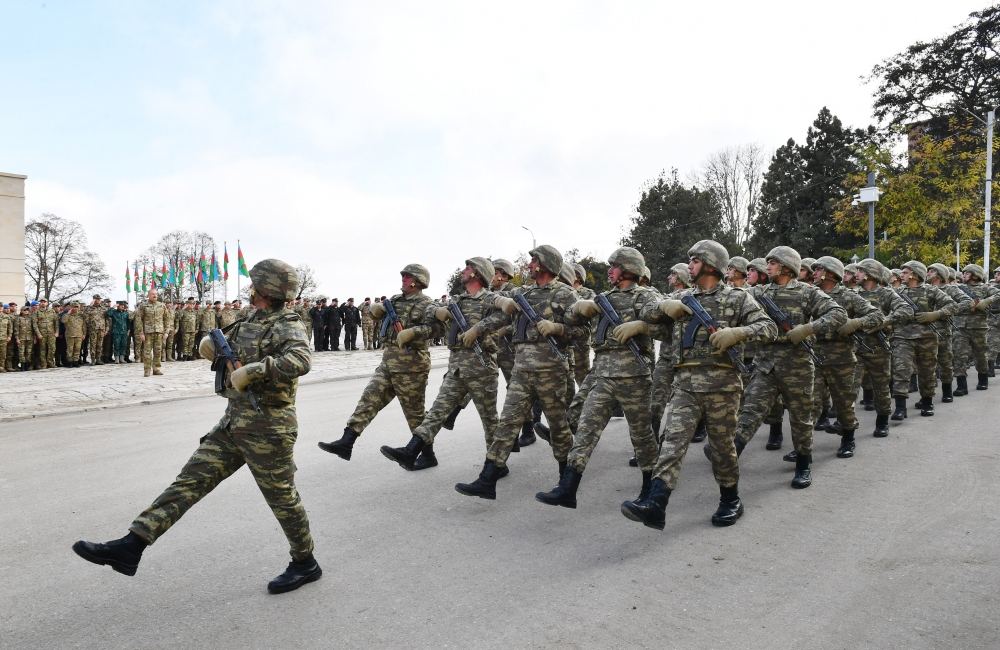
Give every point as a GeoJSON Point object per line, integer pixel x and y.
{"type": "Point", "coordinates": [128, 283]}
{"type": "Point", "coordinates": [163, 275]}
{"type": "Point", "coordinates": [144, 277]}
{"type": "Point", "coordinates": [135, 281]}
{"type": "Point", "coordinates": [192, 265]}
{"type": "Point", "coordinates": [241, 263]}
{"type": "Point", "coordinates": [212, 277]}
{"type": "Point", "coordinates": [180, 272]}
{"type": "Point", "coordinates": [216, 273]}
{"type": "Point", "coordinates": [225, 262]}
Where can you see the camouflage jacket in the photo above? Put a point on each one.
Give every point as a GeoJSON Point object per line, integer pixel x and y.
{"type": "Point", "coordinates": [366, 314]}
{"type": "Point", "coordinates": [927, 298]}
{"type": "Point", "coordinates": [803, 303]}
{"type": "Point", "coordinates": [474, 308]}
{"type": "Point", "coordinates": [952, 321]}
{"type": "Point", "coordinates": [94, 315]}
{"type": "Point", "coordinates": [46, 322]}
{"type": "Point", "coordinates": [276, 339]}
{"type": "Point", "coordinates": [170, 317]}
{"type": "Point", "coordinates": [836, 349]}
{"type": "Point", "coordinates": [585, 293]}
{"type": "Point", "coordinates": [119, 321]}
{"type": "Point", "coordinates": [893, 307]}
{"type": "Point", "coordinates": [207, 320]}
{"type": "Point", "coordinates": [188, 321]}
{"type": "Point", "coordinates": [975, 319]}
{"type": "Point", "coordinates": [614, 359]}
{"type": "Point", "coordinates": [151, 317]}
{"type": "Point", "coordinates": [229, 316]}
{"type": "Point", "coordinates": [75, 324]}
{"type": "Point", "coordinates": [6, 327]}
{"type": "Point", "coordinates": [505, 347]}
{"type": "Point", "coordinates": [700, 368]}
{"type": "Point", "coordinates": [415, 357]}
{"type": "Point", "coordinates": [24, 328]}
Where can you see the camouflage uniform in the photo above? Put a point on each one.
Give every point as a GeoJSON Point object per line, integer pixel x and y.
{"type": "Point", "coordinates": [970, 332]}
{"type": "Point", "coordinates": [96, 329]}
{"type": "Point", "coordinates": [151, 321]}
{"type": "Point", "coordinates": [24, 334]}
{"type": "Point", "coordinates": [167, 354]}
{"type": "Point", "coordinates": [993, 334]}
{"type": "Point", "coordinates": [188, 331]}
{"type": "Point", "coordinates": [878, 362]}
{"type": "Point", "coordinates": [949, 328]}
{"type": "Point", "coordinates": [663, 371]}
{"type": "Point", "coordinates": [6, 335]}
{"type": "Point", "coordinates": [76, 327]}
{"type": "Point", "coordinates": [915, 345]}
{"type": "Point", "coordinates": [581, 348]}
{"type": "Point", "coordinates": [119, 333]}
{"type": "Point", "coordinates": [367, 325]}
{"type": "Point", "coordinates": [272, 347]}
{"type": "Point", "coordinates": [206, 321]}
{"type": "Point", "coordinates": [228, 316]}
{"type": "Point", "coordinates": [46, 329]}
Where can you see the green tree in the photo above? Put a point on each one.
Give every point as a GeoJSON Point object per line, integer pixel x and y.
{"type": "Point", "coordinates": [595, 268]}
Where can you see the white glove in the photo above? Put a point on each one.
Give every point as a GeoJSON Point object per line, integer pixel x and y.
{"type": "Point", "coordinates": [674, 309]}
{"type": "Point", "coordinates": [242, 377]}
{"type": "Point", "coordinates": [586, 308]}
{"type": "Point", "coordinates": [206, 348]}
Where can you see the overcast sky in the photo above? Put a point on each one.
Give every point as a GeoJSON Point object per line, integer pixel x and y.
{"type": "Point", "coordinates": [357, 137]}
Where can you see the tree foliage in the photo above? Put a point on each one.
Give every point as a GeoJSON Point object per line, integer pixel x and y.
{"type": "Point", "coordinates": [182, 245]}
{"type": "Point", "coordinates": [733, 176]}
{"type": "Point", "coordinates": [57, 264]}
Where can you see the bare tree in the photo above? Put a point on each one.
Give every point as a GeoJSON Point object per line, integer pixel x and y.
{"type": "Point", "coordinates": [733, 176]}
{"type": "Point", "coordinates": [307, 280]}
{"type": "Point", "coordinates": [182, 251]}
{"type": "Point", "coordinates": [56, 260]}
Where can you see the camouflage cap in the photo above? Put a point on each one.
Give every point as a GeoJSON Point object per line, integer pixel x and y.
{"type": "Point", "coordinates": [787, 257]}
{"type": "Point", "coordinates": [500, 264]}
{"type": "Point", "coordinates": [629, 259]}
{"type": "Point", "coordinates": [566, 273]}
{"type": "Point", "coordinates": [807, 263]}
{"type": "Point", "coordinates": [549, 257]}
{"type": "Point", "coordinates": [418, 271]}
{"type": "Point", "coordinates": [739, 263]}
{"type": "Point", "coordinates": [975, 270]}
{"type": "Point", "coordinates": [712, 253]}
{"type": "Point", "coordinates": [758, 264]}
{"type": "Point", "coordinates": [941, 270]}
{"type": "Point", "coordinates": [483, 268]}
{"type": "Point", "coordinates": [830, 264]}
{"type": "Point", "coordinates": [581, 273]}
{"type": "Point", "coordinates": [275, 279]}
{"type": "Point", "coordinates": [683, 274]}
{"type": "Point", "coordinates": [917, 268]}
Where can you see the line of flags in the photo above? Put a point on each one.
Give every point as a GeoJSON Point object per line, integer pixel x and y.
{"type": "Point", "coordinates": [199, 271]}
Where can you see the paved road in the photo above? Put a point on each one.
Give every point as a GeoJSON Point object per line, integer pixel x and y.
{"type": "Point", "coordinates": [896, 548]}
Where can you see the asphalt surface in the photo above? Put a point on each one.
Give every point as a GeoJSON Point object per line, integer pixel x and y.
{"type": "Point", "coordinates": [895, 548]}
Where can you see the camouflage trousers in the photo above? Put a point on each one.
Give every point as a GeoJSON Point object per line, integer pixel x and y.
{"type": "Point", "coordinates": [152, 348]}
{"type": "Point", "coordinates": [633, 395]}
{"type": "Point", "coordinates": [993, 339]}
{"type": "Point", "coordinates": [24, 349]}
{"type": "Point", "coordinates": [457, 388]}
{"type": "Point", "coordinates": [970, 347]}
{"type": "Point", "coordinates": [687, 409]}
{"type": "Point", "coordinates": [120, 344]}
{"type": "Point", "coordinates": [575, 408]}
{"type": "Point", "coordinates": [96, 340]}
{"type": "Point", "coordinates": [526, 386]}
{"type": "Point", "coordinates": [914, 355]}
{"type": "Point", "coordinates": [663, 379]}
{"type": "Point", "coordinates": [73, 345]}
{"type": "Point", "coordinates": [792, 380]}
{"type": "Point", "coordinates": [836, 381]}
{"type": "Point", "coordinates": [368, 333]}
{"type": "Point", "coordinates": [168, 346]}
{"type": "Point", "coordinates": [581, 363]}
{"type": "Point", "coordinates": [409, 388]}
{"type": "Point", "coordinates": [187, 343]}
{"type": "Point", "coordinates": [220, 454]}
{"type": "Point", "coordinates": [47, 351]}
{"type": "Point", "coordinates": [877, 368]}
{"type": "Point", "coordinates": [946, 359]}
{"type": "Point", "coordinates": [3, 356]}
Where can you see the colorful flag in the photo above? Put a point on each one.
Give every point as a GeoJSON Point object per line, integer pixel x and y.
{"type": "Point", "coordinates": [192, 265]}
{"type": "Point", "coordinates": [216, 273]}
{"type": "Point", "coordinates": [128, 283]}
{"type": "Point", "coordinates": [135, 279]}
{"type": "Point", "coordinates": [180, 273]}
{"type": "Point", "coordinates": [144, 277]}
{"type": "Point", "coordinates": [172, 279]}
{"type": "Point", "coordinates": [225, 262]}
{"type": "Point", "coordinates": [163, 275]}
{"type": "Point", "coordinates": [241, 263]}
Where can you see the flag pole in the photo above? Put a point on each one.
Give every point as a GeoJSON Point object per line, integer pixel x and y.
{"type": "Point", "coordinates": [237, 269]}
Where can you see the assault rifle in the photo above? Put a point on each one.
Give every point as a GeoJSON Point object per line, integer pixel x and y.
{"type": "Point", "coordinates": [860, 340]}
{"type": "Point", "coordinates": [391, 319]}
{"type": "Point", "coordinates": [784, 323]}
{"type": "Point", "coordinates": [918, 310]}
{"type": "Point", "coordinates": [463, 327]}
{"type": "Point", "coordinates": [610, 317]}
{"type": "Point", "coordinates": [701, 318]}
{"type": "Point", "coordinates": [225, 359]}
{"type": "Point", "coordinates": [529, 312]}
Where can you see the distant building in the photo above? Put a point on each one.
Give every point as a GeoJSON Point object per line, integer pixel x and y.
{"type": "Point", "coordinates": [11, 237]}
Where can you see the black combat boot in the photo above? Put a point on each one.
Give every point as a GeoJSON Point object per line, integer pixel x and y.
{"type": "Point", "coordinates": [426, 459]}
{"type": "Point", "coordinates": [984, 382]}
{"type": "Point", "coordinates": [846, 449]}
{"type": "Point", "coordinates": [342, 447]}
{"type": "Point", "coordinates": [900, 413]}
{"type": "Point", "coordinates": [532, 429]}
{"type": "Point", "coordinates": [484, 487]}
{"type": "Point", "coordinates": [700, 432]}
{"type": "Point", "coordinates": [650, 511]}
{"type": "Point", "coordinates": [803, 475]}
{"type": "Point", "coordinates": [563, 494]}
{"type": "Point", "coordinates": [122, 554]}
{"type": "Point", "coordinates": [730, 507]}
{"type": "Point", "coordinates": [926, 406]}
{"type": "Point", "coordinates": [407, 455]}
{"type": "Point", "coordinates": [823, 422]}
{"type": "Point", "coordinates": [868, 399]}
{"type": "Point", "coordinates": [449, 422]}
{"type": "Point", "coordinates": [913, 383]}
{"type": "Point", "coordinates": [946, 395]}
{"type": "Point", "coordinates": [881, 425]}
{"type": "Point", "coordinates": [963, 386]}
{"type": "Point", "coordinates": [791, 457]}
{"type": "Point", "coordinates": [298, 573]}
{"type": "Point", "coordinates": [647, 480]}
{"type": "Point", "coordinates": [775, 437]}
{"type": "Point", "coordinates": [633, 462]}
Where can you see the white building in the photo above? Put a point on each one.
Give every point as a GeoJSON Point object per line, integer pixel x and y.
{"type": "Point", "coordinates": [11, 238]}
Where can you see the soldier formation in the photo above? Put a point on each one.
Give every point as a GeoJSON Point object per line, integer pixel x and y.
{"type": "Point", "coordinates": [740, 341]}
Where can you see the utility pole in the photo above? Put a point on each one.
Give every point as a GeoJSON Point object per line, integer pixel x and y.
{"type": "Point", "coordinates": [869, 195]}
{"type": "Point", "coordinates": [989, 191]}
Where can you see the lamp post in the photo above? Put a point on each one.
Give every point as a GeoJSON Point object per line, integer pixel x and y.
{"type": "Point", "coordinates": [870, 195]}
{"type": "Point", "coordinates": [533, 245]}
{"type": "Point", "coordinates": [990, 121]}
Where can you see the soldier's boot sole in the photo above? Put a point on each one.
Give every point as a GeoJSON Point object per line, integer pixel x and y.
{"type": "Point", "coordinates": [477, 489]}
{"type": "Point", "coordinates": [645, 516]}
{"type": "Point", "coordinates": [728, 513]}
{"type": "Point", "coordinates": [424, 461]}
{"type": "Point", "coordinates": [397, 455]}
{"type": "Point", "coordinates": [335, 449]}
{"type": "Point", "coordinates": [123, 566]}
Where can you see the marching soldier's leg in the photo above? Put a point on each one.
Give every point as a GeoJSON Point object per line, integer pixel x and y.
{"type": "Point", "coordinates": [663, 377]}
{"type": "Point", "coordinates": [633, 395]}
{"type": "Point", "coordinates": [926, 359]}
{"type": "Point", "coordinates": [946, 363]}
{"type": "Point", "coordinates": [760, 398]}
{"type": "Point", "coordinates": [977, 339]}
{"type": "Point", "coordinates": [377, 394]}
{"type": "Point", "coordinates": [411, 391]}
{"type": "Point", "coordinates": [576, 406]}
{"type": "Point", "coordinates": [483, 391]}
{"type": "Point", "coordinates": [796, 384]}
{"type": "Point", "coordinates": [453, 390]}
{"type": "Point", "coordinates": [879, 372]}
{"type": "Point", "coordinates": [157, 344]}
{"type": "Point", "coordinates": [840, 380]}
{"type": "Point", "coordinates": [903, 366]}
{"type": "Point", "coordinates": [551, 393]}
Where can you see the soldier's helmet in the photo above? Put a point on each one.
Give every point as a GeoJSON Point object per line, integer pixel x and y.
{"type": "Point", "coordinates": [682, 273]}
{"type": "Point", "coordinates": [952, 273]}
{"type": "Point", "coordinates": [629, 259]}
{"type": "Point", "coordinates": [917, 268]}
{"type": "Point", "coordinates": [506, 266]}
{"type": "Point", "coordinates": [941, 270]}
{"type": "Point", "coordinates": [275, 279]}
{"type": "Point", "coordinates": [483, 268]}
{"type": "Point", "coordinates": [549, 257]}
{"type": "Point", "coordinates": [872, 268]}
{"type": "Point", "coordinates": [419, 272]}
{"type": "Point", "coordinates": [897, 273]}
{"type": "Point", "coordinates": [740, 264]}
{"type": "Point", "coordinates": [580, 272]}
{"type": "Point", "coordinates": [807, 264]}
{"type": "Point", "coordinates": [712, 253]}
{"type": "Point", "coordinates": [787, 257]}
{"type": "Point", "coordinates": [831, 265]}
{"type": "Point", "coordinates": [758, 264]}
{"type": "Point", "coordinates": [975, 270]}
{"type": "Point", "coordinates": [647, 275]}
{"type": "Point", "coordinates": [566, 273]}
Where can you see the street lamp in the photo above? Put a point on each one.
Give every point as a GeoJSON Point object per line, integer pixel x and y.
{"type": "Point", "coordinates": [990, 121]}
{"type": "Point", "coordinates": [855, 259]}
{"type": "Point", "coordinates": [869, 195]}
{"type": "Point", "coordinates": [533, 246]}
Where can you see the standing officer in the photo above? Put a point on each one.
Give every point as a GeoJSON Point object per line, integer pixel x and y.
{"type": "Point", "coordinates": [6, 335]}
{"type": "Point", "coordinates": [188, 329]}
{"type": "Point", "coordinates": [351, 316]}
{"type": "Point", "coordinates": [317, 317]}
{"type": "Point", "coordinates": [334, 321]}
{"type": "Point", "coordinates": [406, 361]}
{"type": "Point", "coordinates": [119, 331]}
{"type": "Point", "coordinates": [151, 323]}
{"type": "Point", "coordinates": [46, 331]}
{"type": "Point", "coordinates": [941, 276]}
{"type": "Point", "coordinates": [970, 334]}
{"type": "Point", "coordinates": [273, 353]}
{"type": "Point", "coordinates": [76, 327]}
{"type": "Point", "coordinates": [367, 323]}
{"type": "Point", "coordinates": [24, 334]}
{"type": "Point", "coordinates": [95, 329]}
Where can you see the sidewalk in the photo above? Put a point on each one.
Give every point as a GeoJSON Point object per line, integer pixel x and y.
{"type": "Point", "coordinates": [69, 390]}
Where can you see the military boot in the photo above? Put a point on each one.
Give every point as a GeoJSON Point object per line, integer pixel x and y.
{"type": "Point", "coordinates": [984, 382]}
{"type": "Point", "coordinates": [426, 459]}
{"type": "Point", "coordinates": [963, 386]}
{"type": "Point", "coordinates": [484, 487]}
{"type": "Point", "coordinates": [913, 383]}
{"type": "Point", "coordinates": [946, 395]}
{"type": "Point", "coordinates": [156, 371]}
{"type": "Point", "coordinates": [846, 449]}
{"type": "Point", "coordinates": [730, 507]}
{"type": "Point", "coordinates": [650, 511]}
{"type": "Point", "coordinates": [297, 574]}
{"type": "Point", "coordinates": [791, 457]}
{"type": "Point", "coordinates": [342, 447]}
{"type": "Point", "coordinates": [532, 429]}
{"type": "Point", "coordinates": [647, 480]}
{"type": "Point", "coordinates": [563, 494]}
{"type": "Point", "coordinates": [634, 462]}
{"type": "Point", "coordinates": [407, 455]}
{"type": "Point", "coordinates": [900, 413]}
{"type": "Point", "coordinates": [449, 422]}
{"type": "Point", "coordinates": [122, 554]}
{"type": "Point", "coordinates": [803, 475]}
{"type": "Point", "coordinates": [700, 432]}
{"type": "Point", "coordinates": [868, 399]}
{"type": "Point", "coordinates": [147, 372]}
{"type": "Point", "coordinates": [926, 406]}
{"type": "Point", "coordinates": [881, 425]}
{"type": "Point", "coordinates": [775, 437]}
{"type": "Point", "coordinates": [823, 422]}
